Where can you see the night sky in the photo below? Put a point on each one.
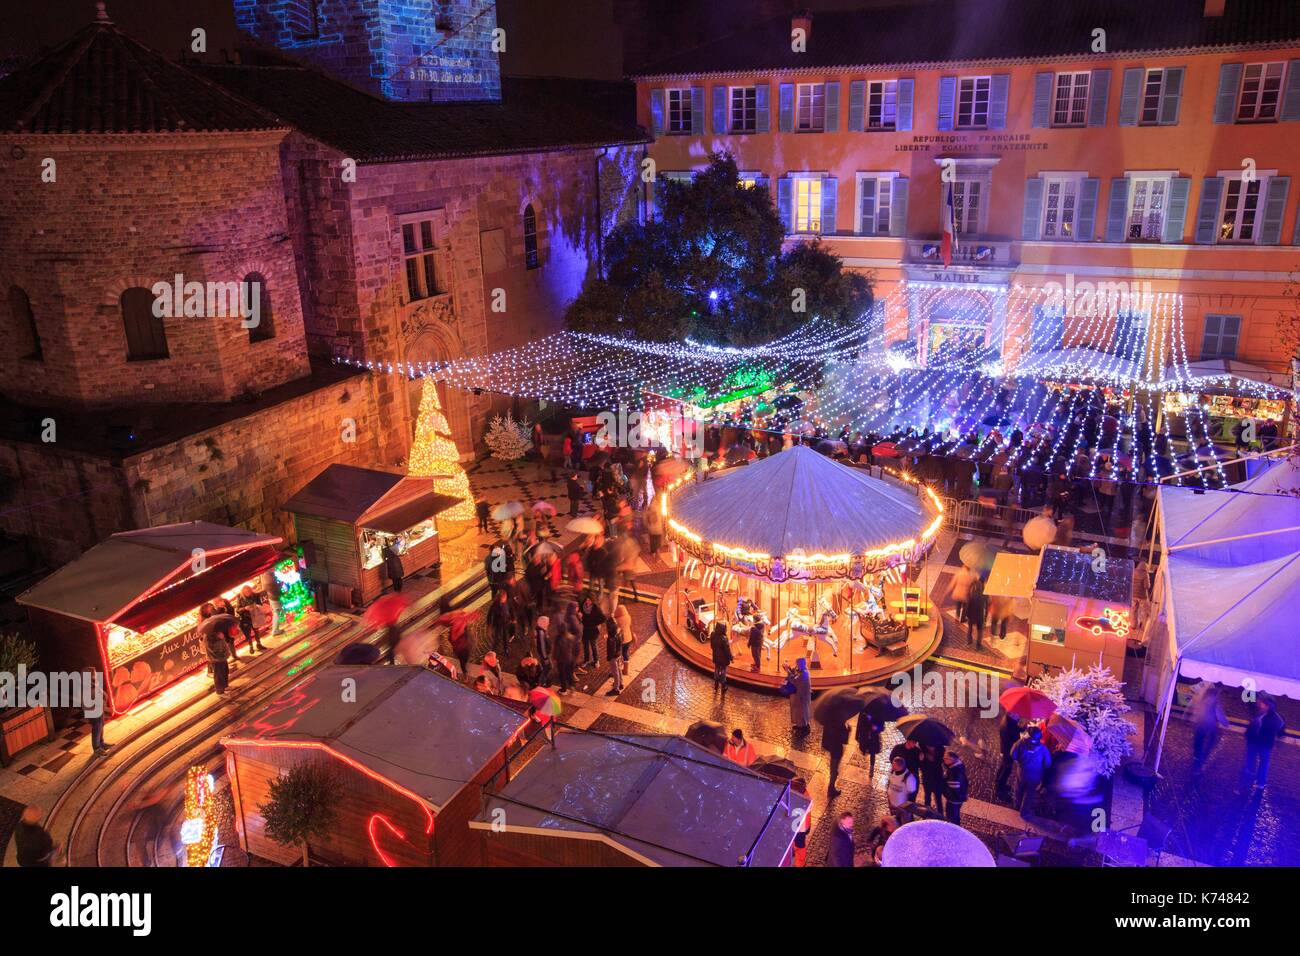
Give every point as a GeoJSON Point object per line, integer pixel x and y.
{"type": "Point", "coordinates": [543, 37]}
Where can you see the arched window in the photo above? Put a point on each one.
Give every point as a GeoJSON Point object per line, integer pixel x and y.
{"type": "Point", "coordinates": [24, 325]}
{"type": "Point", "coordinates": [145, 336]}
{"type": "Point", "coordinates": [531, 259]}
{"type": "Point", "coordinates": [253, 289]}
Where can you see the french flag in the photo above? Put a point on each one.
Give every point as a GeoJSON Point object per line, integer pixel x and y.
{"type": "Point", "coordinates": [949, 242]}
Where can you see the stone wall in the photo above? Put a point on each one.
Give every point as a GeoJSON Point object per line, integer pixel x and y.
{"type": "Point", "coordinates": [238, 473]}
{"type": "Point", "coordinates": [132, 212]}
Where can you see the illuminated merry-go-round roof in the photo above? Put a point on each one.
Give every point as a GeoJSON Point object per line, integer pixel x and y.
{"type": "Point", "coordinates": [798, 514]}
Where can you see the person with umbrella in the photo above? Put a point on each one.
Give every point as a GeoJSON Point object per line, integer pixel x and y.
{"type": "Point", "coordinates": [801, 699]}
{"type": "Point", "coordinates": [833, 712]}
{"type": "Point", "coordinates": [1008, 736]}
{"type": "Point", "coordinates": [956, 787]}
{"type": "Point", "coordinates": [962, 581]}
{"type": "Point", "coordinates": [868, 736]}
{"type": "Point", "coordinates": [910, 752]}
{"type": "Point", "coordinates": [457, 623]}
{"type": "Point", "coordinates": [720, 648]}
{"type": "Point", "coordinates": [1033, 759]}
{"type": "Point", "coordinates": [932, 776]}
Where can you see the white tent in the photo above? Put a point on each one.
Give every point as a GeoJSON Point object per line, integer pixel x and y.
{"type": "Point", "coordinates": [1231, 584]}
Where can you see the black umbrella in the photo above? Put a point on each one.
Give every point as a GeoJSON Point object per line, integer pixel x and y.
{"type": "Point", "coordinates": [926, 731]}
{"type": "Point", "coordinates": [359, 653]}
{"type": "Point", "coordinates": [778, 768]}
{"type": "Point", "coordinates": [708, 734]}
{"type": "Point", "coordinates": [838, 707]}
{"type": "Point", "coordinates": [880, 705]}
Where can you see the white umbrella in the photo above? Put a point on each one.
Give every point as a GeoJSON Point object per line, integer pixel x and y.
{"type": "Point", "coordinates": [504, 512]}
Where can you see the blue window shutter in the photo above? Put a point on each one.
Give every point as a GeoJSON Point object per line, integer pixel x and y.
{"type": "Point", "coordinates": [898, 208]}
{"type": "Point", "coordinates": [1098, 97]}
{"type": "Point", "coordinates": [1131, 96]}
{"type": "Point", "coordinates": [1042, 115]}
{"type": "Point", "coordinates": [906, 95]}
{"type": "Point", "coordinates": [1117, 209]}
{"type": "Point", "coordinates": [1176, 209]}
{"type": "Point", "coordinates": [1210, 337]}
{"type": "Point", "coordinates": [947, 99]}
{"type": "Point", "coordinates": [867, 214]}
{"type": "Point", "coordinates": [697, 110]}
{"type": "Point", "coordinates": [999, 92]}
{"type": "Point", "coordinates": [1291, 95]}
{"type": "Point", "coordinates": [832, 107]}
{"type": "Point", "coordinates": [1207, 215]}
{"type": "Point", "coordinates": [719, 110]}
{"type": "Point", "coordinates": [857, 101]}
{"type": "Point", "coordinates": [830, 196]}
{"type": "Point", "coordinates": [1270, 231]}
{"type": "Point", "coordinates": [1032, 216]}
{"type": "Point", "coordinates": [785, 107]}
{"type": "Point", "coordinates": [657, 112]}
{"type": "Point", "coordinates": [763, 183]}
{"type": "Point", "coordinates": [761, 94]}
{"type": "Point", "coordinates": [785, 204]}
{"type": "Point", "coordinates": [1228, 333]}
{"type": "Point", "coordinates": [1085, 220]}
{"type": "Point", "coordinates": [1225, 101]}
{"type": "Point", "coordinates": [1171, 95]}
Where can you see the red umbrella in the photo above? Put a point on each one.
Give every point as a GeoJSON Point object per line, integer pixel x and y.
{"type": "Point", "coordinates": [385, 611]}
{"type": "Point", "coordinates": [1068, 733]}
{"type": "Point", "coordinates": [886, 449]}
{"type": "Point", "coordinates": [1027, 703]}
{"type": "Point", "coordinates": [456, 620]}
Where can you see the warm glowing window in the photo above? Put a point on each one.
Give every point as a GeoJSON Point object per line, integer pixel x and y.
{"type": "Point", "coordinates": [1240, 210]}
{"type": "Point", "coordinates": [808, 204]}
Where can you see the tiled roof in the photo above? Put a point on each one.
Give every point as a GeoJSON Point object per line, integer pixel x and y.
{"type": "Point", "coordinates": [533, 115]}
{"type": "Point", "coordinates": [946, 31]}
{"type": "Point", "coordinates": [102, 81]}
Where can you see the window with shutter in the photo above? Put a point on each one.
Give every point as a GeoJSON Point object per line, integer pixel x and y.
{"type": "Point", "coordinates": [807, 204]}
{"type": "Point", "coordinates": [1237, 220]}
{"type": "Point", "coordinates": [1147, 198]}
{"type": "Point", "coordinates": [1261, 91]}
{"type": "Point", "coordinates": [744, 109]}
{"type": "Point", "coordinates": [1152, 90]}
{"type": "Point", "coordinates": [875, 203]}
{"type": "Point", "coordinates": [810, 108]}
{"type": "Point", "coordinates": [882, 105]}
{"type": "Point", "coordinates": [680, 114]}
{"type": "Point", "coordinates": [973, 102]}
{"type": "Point", "coordinates": [1070, 107]}
{"type": "Point", "coordinates": [1219, 339]}
{"type": "Point", "coordinates": [145, 336]}
{"type": "Point", "coordinates": [1061, 206]}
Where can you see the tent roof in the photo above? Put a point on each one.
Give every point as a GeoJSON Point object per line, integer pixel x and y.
{"type": "Point", "coordinates": [1079, 361]}
{"type": "Point", "coordinates": [417, 729]}
{"type": "Point", "coordinates": [1213, 368]}
{"type": "Point", "coordinates": [1256, 512]}
{"type": "Point", "coordinates": [1233, 623]}
{"type": "Point", "coordinates": [661, 798]}
{"type": "Point", "coordinates": [116, 573]}
{"type": "Point", "coordinates": [798, 500]}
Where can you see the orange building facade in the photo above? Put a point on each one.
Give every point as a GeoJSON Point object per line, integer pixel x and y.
{"type": "Point", "coordinates": [1158, 181]}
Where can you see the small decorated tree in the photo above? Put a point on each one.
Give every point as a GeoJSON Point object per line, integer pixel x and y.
{"type": "Point", "coordinates": [1095, 699]}
{"type": "Point", "coordinates": [434, 454]}
{"type": "Point", "coordinates": [509, 440]}
{"type": "Point", "coordinates": [301, 805]}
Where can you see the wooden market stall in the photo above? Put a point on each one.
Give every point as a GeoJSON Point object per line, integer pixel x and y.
{"type": "Point", "coordinates": [1081, 613]}
{"type": "Point", "coordinates": [409, 748]}
{"type": "Point", "coordinates": [129, 607]}
{"type": "Point", "coordinates": [635, 800]}
{"type": "Point", "coordinates": [350, 515]}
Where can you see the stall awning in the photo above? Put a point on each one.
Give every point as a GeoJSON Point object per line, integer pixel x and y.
{"type": "Point", "coordinates": [1012, 575]}
{"type": "Point", "coordinates": [410, 513]}
{"type": "Point", "coordinates": [192, 591]}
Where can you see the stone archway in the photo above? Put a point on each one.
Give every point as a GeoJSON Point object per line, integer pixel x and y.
{"type": "Point", "coordinates": [430, 334]}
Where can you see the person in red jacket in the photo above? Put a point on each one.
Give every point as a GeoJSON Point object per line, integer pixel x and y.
{"type": "Point", "coordinates": [739, 750]}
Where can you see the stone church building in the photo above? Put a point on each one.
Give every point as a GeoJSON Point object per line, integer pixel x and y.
{"type": "Point", "coordinates": [361, 183]}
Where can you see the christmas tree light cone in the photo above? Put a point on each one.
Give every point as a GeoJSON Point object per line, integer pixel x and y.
{"type": "Point", "coordinates": [434, 454]}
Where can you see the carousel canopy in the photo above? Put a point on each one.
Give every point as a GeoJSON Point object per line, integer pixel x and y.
{"type": "Point", "coordinates": [799, 501]}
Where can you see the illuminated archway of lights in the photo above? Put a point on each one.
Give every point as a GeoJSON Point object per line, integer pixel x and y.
{"type": "Point", "coordinates": [849, 379]}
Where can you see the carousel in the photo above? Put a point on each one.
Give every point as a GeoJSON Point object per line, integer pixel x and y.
{"type": "Point", "coordinates": [828, 559]}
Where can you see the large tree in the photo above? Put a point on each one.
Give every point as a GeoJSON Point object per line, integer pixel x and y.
{"type": "Point", "coordinates": [711, 266]}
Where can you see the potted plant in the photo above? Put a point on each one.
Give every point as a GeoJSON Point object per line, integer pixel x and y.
{"type": "Point", "coordinates": [20, 727]}
{"type": "Point", "coordinates": [301, 806]}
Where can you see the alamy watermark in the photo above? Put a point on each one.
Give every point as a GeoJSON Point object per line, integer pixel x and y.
{"type": "Point", "coordinates": [950, 688]}
{"type": "Point", "coordinates": [213, 300]}
{"type": "Point", "coordinates": [1097, 299]}
{"type": "Point", "coordinates": [650, 428]}
{"type": "Point", "coordinates": [80, 690]}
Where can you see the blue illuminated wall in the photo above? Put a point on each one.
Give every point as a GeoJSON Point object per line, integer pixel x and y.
{"type": "Point", "coordinates": [409, 50]}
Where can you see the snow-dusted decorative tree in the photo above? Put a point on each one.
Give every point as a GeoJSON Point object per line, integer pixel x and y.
{"type": "Point", "coordinates": [509, 439]}
{"type": "Point", "coordinates": [1095, 699]}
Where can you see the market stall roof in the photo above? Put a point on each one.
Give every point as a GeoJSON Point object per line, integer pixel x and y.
{"type": "Point", "coordinates": [1012, 575]}
{"type": "Point", "coordinates": [123, 570]}
{"type": "Point", "coordinates": [1076, 573]}
{"type": "Point", "coordinates": [357, 496]}
{"type": "Point", "coordinates": [1237, 623]}
{"type": "Point", "coordinates": [661, 799]}
{"type": "Point", "coordinates": [1079, 362]}
{"type": "Point", "coordinates": [419, 730]}
{"type": "Point", "coordinates": [1255, 520]}
{"type": "Point", "coordinates": [1218, 368]}
{"type": "Point", "coordinates": [798, 500]}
